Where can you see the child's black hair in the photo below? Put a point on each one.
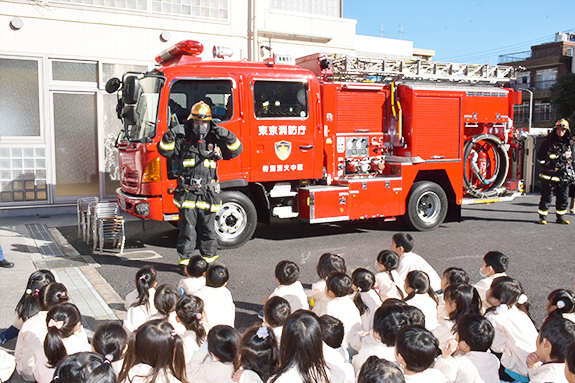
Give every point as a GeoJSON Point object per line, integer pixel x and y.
{"type": "Point", "coordinates": [85, 367]}
{"type": "Point", "coordinates": [165, 299]}
{"type": "Point", "coordinates": [223, 343]}
{"type": "Point", "coordinates": [197, 266]}
{"type": "Point", "coordinates": [156, 344]}
{"type": "Point", "coordinates": [110, 340]}
{"type": "Point", "coordinates": [276, 311]}
{"type": "Point", "coordinates": [419, 281]}
{"type": "Point", "coordinates": [364, 280]}
{"type": "Point", "coordinates": [564, 300]}
{"type": "Point", "coordinates": [393, 301]}
{"type": "Point", "coordinates": [415, 315]}
{"type": "Point", "coordinates": [476, 330]}
{"type": "Point", "coordinates": [570, 358]}
{"type": "Point", "coordinates": [27, 307]}
{"type": "Point", "coordinates": [330, 263]}
{"type": "Point", "coordinates": [259, 351]}
{"type": "Point", "coordinates": [387, 321]}
{"type": "Point", "coordinates": [417, 346]}
{"type": "Point", "coordinates": [217, 276]}
{"type": "Point", "coordinates": [301, 347]}
{"type": "Point", "coordinates": [404, 240]}
{"type": "Point", "coordinates": [466, 300]}
{"type": "Point", "coordinates": [52, 294]}
{"type": "Point", "coordinates": [61, 321]}
{"type": "Point", "coordinates": [456, 275]}
{"type": "Point", "coordinates": [508, 291]}
{"type": "Point", "coordinates": [376, 370]}
{"type": "Point", "coordinates": [287, 273]}
{"type": "Point", "coordinates": [145, 280]}
{"type": "Point", "coordinates": [560, 332]}
{"type": "Point", "coordinates": [390, 260]}
{"type": "Point", "coordinates": [332, 331]}
{"type": "Point", "coordinates": [190, 310]}
{"type": "Point", "coordinates": [339, 284]}
{"type": "Point", "coordinates": [497, 260]}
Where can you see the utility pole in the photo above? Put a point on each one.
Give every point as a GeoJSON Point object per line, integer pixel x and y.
{"type": "Point", "coordinates": [401, 32]}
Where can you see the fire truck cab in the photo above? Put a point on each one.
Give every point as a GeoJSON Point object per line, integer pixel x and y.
{"type": "Point", "coordinates": [323, 141]}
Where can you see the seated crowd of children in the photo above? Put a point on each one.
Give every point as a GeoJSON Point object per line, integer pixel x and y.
{"type": "Point", "coordinates": [404, 323]}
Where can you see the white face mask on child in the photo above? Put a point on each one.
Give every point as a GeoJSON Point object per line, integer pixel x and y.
{"type": "Point", "coordinates": [481, 271]}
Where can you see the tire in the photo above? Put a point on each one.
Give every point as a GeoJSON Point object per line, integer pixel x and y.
{"type": "Point", "coordinates": [236, 220]}
{"type": "Point", "coordinates": [426, 206]}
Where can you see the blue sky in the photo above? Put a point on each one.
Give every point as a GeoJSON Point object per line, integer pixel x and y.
{"type": "Point", "coordinates": [466, 31]}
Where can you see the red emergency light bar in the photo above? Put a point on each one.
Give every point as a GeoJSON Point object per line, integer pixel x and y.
{"type": "Point", "coordinates": [186, 47]}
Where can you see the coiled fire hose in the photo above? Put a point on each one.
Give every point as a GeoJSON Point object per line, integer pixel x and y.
{"type": "Point", "coordinates": [488, 187]}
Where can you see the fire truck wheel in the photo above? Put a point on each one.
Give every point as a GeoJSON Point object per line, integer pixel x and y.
{"type": "Point", "coordinates": [236, 220]}
{"type": "Point", "coordinates": [426, 206]}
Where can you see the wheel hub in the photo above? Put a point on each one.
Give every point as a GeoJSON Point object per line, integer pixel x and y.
{"type": "Point", "coordinates": [230, 220]}
{"type": "Point", "coordinates": [428, 206]}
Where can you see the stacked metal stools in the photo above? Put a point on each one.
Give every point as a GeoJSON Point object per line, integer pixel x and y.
{"type": "Point", "coordinates": [100, 221]}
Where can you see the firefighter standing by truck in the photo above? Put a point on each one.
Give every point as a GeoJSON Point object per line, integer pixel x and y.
{"type": "Point", "coordinates": [195, 148]}
{"type": "Point", "coordinates": [556, 157]}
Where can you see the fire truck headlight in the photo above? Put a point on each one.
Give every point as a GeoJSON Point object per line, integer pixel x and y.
{"type": "Point", "coordinates": [142, 208]}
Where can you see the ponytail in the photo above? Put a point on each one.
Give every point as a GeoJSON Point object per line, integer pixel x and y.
{"type": "Point", "coordinates": [28, 305]}
{"type": "Point", "coordinates": [390, 260]}
{"type": "Point", "coordinates": [419, 281]}
{"type": "Point", "coordinates": [190, 310]}
{"type": "Point", "coordinates": [86, 367]}
{"type": "Point", "coordinates": [364, 280]}
{"type": "Point", "coordinates": [61, 321]}
{"type": "Point", "coordinates": [145, 280]}
{"type": "Point", "coordinates": [51, 295]}
{"type": "Point", "coordinates": [509, 292]}
{"type": "Point", "coordinates": [563, 300]}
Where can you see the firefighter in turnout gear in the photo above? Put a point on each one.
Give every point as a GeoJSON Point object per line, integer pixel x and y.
{"type": "Point", "coordinates": [195, 148]}
{"type": "Point", "coordinates": [556, 157]}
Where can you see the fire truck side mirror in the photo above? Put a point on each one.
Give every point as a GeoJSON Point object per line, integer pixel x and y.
{"type": "Point", "coordinates": [131, 90]}
{"type": "Point", "coordinates": [113, 85]}
{"type": "Point", "coordinates": [129, 115]}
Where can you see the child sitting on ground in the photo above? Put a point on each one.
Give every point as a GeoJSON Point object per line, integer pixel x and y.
{"type": "Point", "coordinates": [190, 311]}
{"type": "Point", "coordinates": [494, 266]}
{"type": "Point", "coordinates": [450, 276]}
{"type": "Point", "coordinates": [276, 311]}
{"type": "Point", "coordinates": [258, 356]}
{"type": "Point", "coordinates": [111, 341]}
{"type": "Point", "coordinates": [195, 276]}
{"type": "Point", "coordinates": [387, 279]}
{"type": "Point", "coordinates": [140, 302]}
{"type": "Point", "coordinates": [547, 364]}
{"type": "Point", "coordinates": [334, 354]}
{"type": "Point", "coordinates": [416, 350]}
{"type": "Point", "coordinates": [328, 263]}
{"type": "Point", "coordinates": [421, 295]}
{"type": "Point", "coordinates": [365, 298]}
{"type": "Point", "coordinates": [515, 334]}
{"type": "Point", "coordinates": [217, 359]}
{"type": "Point", "coordinates": [165, 303]}
{"type": "Point", "coordinates": [473, 340]}
{"type": "Point", "coordinates": [402, 245]}
{"type": "Point", "coordinates": [341, 306]}
{"type": "Point", "coordinates": [287, 274]}
{"type": "Point", "coordinates": [219, 307]}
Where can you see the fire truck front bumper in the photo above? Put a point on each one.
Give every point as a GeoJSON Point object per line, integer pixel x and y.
{"type": "Point", "coordinates": [143, 207]}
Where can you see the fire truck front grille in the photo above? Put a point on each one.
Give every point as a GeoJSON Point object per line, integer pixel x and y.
{"type": "Point", "coordinates": [131, 184]}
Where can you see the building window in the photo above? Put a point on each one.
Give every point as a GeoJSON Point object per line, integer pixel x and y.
{"type": "Point", "coordinates": [330, 8]}
{"type": "Point", "coordinates": [542, 111]}
{"type": "Point", "coordinates": [20, 106]}
{"type": "Point", "coordinates": [545, 78]}
{"type": "Point", "coordinates": [213, 9]}
{"type": "Point", "coordinates": [523, 81]}
{"type": "Point", "coordinates": [23, 174]}
{"type": "Point", "coordinates": [521, 112]}
{"type": "Point", "coordinates": [136, 5]}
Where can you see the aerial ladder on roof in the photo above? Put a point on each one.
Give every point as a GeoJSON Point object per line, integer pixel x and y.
{"type": "Point", "coordinates": [346, 68]}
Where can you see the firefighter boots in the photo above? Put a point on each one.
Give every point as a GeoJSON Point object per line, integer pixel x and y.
{"type": "Point", "coordinates": [561, 219]}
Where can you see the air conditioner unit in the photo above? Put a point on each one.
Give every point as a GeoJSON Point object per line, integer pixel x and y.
{"type": "Point", "coordinates": [572, 37]}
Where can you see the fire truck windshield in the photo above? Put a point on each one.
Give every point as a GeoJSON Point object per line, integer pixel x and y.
{"type": "Point", "coordinates": [146, 109]}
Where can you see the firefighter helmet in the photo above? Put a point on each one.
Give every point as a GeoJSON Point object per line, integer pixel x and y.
{"type": "Point", "coordinates": [201, 111]}
{"type": "Point", "coordinates": [562, 123]}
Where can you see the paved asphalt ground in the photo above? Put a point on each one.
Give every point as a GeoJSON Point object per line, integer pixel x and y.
{"type": "Point", "coordinates": [541, 257]}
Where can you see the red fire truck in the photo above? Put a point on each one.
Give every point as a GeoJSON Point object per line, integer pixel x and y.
{"type": "Point", "coordinates": [334, 138]}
